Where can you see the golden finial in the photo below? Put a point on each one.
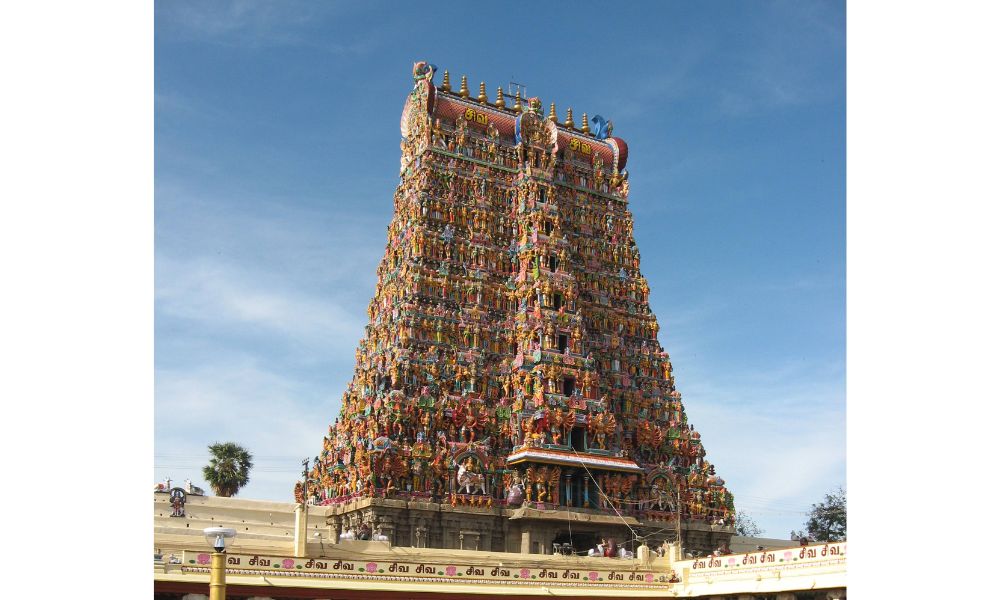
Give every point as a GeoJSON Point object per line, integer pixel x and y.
{"type": "Point", "coordinates": [517, 102]}
{"type": "Point", "coordinates": [464, 90]}
{"type": "Point", "coordinates": [552, 113]}
{"type": "Point", "coordinates": [482, 93]}
{"type": "Point", "coordinates": [500, 103]}
{"type": "Point", "coordinates": [569, 119]}
{"type": "Point", "coordinates": [446, 84]}
{"type": "Point", "coordinates": [586, 126]}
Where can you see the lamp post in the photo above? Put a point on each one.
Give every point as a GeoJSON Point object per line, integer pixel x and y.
{"type": "Point", "coordinates": [217, 537]}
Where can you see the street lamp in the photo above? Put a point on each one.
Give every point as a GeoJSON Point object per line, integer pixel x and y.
{"type": "Point", "coordinates": [217, 537]}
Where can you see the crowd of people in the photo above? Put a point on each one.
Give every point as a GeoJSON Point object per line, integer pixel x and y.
{"type": "Point", "coordinates": [364, 533]}
{"type": "Point", "coordinates": [609, 548]}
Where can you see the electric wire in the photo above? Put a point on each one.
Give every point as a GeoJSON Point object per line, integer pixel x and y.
{"type": "Point", "coordinates": [601, 491]}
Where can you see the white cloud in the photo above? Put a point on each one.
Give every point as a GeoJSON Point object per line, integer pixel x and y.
{"type": "Point", "coordinates": [216, 294]}
{"type": "Point", "coordinates": [777, 436]}
{"type": "Point", "coordinates": [768, 77]}
{"type": "Point", "coordinates": [278, 417]}
{"type": "Point", "coordinates": [259, 313]}
{"type": "Point", "coordinates": [270, 23]}
{"type": "Point", "coordinates": [283, 273]}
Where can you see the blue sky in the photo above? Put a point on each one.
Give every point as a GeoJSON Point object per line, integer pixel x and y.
{"type": "Point", "coordinates": [276, 153]}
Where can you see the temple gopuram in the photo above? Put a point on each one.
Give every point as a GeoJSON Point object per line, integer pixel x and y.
{"type": "Point", "coordinates": [510, 393]}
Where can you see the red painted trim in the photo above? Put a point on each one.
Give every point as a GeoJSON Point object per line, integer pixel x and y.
{"type": "Point", "coordinates": [280, 593]}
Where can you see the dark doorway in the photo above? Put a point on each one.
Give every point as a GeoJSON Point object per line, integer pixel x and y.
{"type": "Point", "coordinates": [581, 542]}
{"type": "Point", "coordinates": [576, 439]}
{"type": "Point", "coordinates": [563, 342]}
{"type": "Point", "coordinates": [569, 385]}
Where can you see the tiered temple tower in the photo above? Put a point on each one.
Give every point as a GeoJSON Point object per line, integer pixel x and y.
{"type": "Point", "coordinates": [510, 391]}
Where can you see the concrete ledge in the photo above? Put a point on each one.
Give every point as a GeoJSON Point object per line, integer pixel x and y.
{"type": "Point", "coordinates": [563, 516]}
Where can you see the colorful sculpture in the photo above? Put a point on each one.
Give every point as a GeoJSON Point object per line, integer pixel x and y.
{"type": "Point", "coordinates": [510, 323]}
{"type": "Point", "coordinates": [469, 479]}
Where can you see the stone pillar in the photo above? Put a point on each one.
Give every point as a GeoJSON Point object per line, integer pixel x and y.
{"type": "Point", "coordinates": [388, 529]}
{"type": "Point", "coordinates": [301, 532]}
{"type": "Point", "coordinates": [468, 540]}
{"type": "Point", "coordinates": [586, 491]}
{"type": "Point", "coordinates": [568, 490]}
{"type": "Point", "coordinates": [335, 529]}
{"type": "Point", "coordinates": [526, 541]}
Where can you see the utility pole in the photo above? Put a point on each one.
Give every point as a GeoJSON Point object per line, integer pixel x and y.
{"type": "Point", "coordinates": [520, 87]}
{"type": "Point", "coordinates": [305, 481]}
{"type": "Point", "coordinates": [302, 514]}
{"type": "Point", "coordinates": [679, 511]}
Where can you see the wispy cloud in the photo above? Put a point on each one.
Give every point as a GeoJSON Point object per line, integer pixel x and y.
{"type": "Point", "coordinates": [777, 435]}
{"type": "Point", "coordinates": [262, 315]}
{"type": "Point", "coordinates": [773, 424]}
{"type": "Point", "coordinates": [808, 283]}
{"type": "Point", "coordinates": [268, 280]}
{"type": "Point", "coordinates": [214, 294]}
{"type": "Point", "coordinates": [266, 23]}
{"type": "Point", "coordinates": [769, 77]}
{"type": "Point", "coordinates": [172, 103]}
{"type": "Point", "coordinates": [760, 74]}
{"type": "Point", "coordinates": [288, 240]}
{"type": "Point", "coordinates": [229, 401]}
{"type": "Point", "coordinates": [665, 82]}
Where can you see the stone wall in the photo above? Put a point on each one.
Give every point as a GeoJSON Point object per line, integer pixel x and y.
{"type": "Point", "coordinates": [264, 526]}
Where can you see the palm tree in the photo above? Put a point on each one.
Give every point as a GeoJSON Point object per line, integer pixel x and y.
{"type": "Point", "coordinates": [229, 468]}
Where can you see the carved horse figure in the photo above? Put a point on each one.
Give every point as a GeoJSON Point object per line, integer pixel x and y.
{"type": "Point", "coordinates": [469, 480]}
{"type": "Point", "coordinates": [661, 497]}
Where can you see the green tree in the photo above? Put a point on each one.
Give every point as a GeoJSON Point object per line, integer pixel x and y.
{"type": "Point", "coordinates": [746, 526]}
{"type": "Point", "coordinates": [229, 468]}
{"type": "Point", "coordinates": [828, 519]}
